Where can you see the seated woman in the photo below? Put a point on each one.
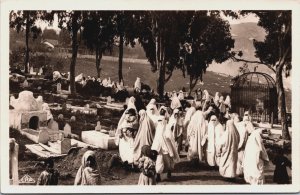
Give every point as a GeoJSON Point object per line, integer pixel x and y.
{"type": "Point", "coordinates": [88, 173]}
{"type": "Point", "coordinates": [126, 135]}
{"type": "Point", "coordinates": [126, 131]}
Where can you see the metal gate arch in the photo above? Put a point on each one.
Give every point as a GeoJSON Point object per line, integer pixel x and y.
{"type": "Point", "coordinates": [255, 92]}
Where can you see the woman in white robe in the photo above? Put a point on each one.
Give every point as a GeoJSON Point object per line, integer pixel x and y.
{"type": "Point", "coordinates": [88, 173]}
{"type": "Point", "coordinates": [152, 110]}
{"type": "Point", "coordinates": [255, 159]}
{"type": "Point", "coordinates": [181, 95]}
{"type": "Point", "coordinates": [138, 84]}
{"type": "Point", "coordinates": [241, 127]}
{"type": "Point", "coordinates": [144, 135]}
{"type": "Point", "coordinates": [175, 103]}
{"type": "Point", "coordinates": [228, 151]}
{"type": "Point", "coordinates": [214, 133]}
{"type": "Point", "coordinates": [176, 126]}
{"type": "Point", "coordinates": [196, 132]}
{"type": "Point", "coordinates": [216, 99]}
{"type": "Point", "coordinates": [167, 115]}
{"type": "Point", "coordinates": [130, 104]}
{"type": "Point", "coordinates": [123, 139]}
{"type": "Point", "coordinates": [222, 105]}
{"type": "Point", "coordinates": [105, 82]}
{"type": "Point", "coordinates": [228, 101]}
{"type": "Point", "coordinates": [248, 124]}
{"type": "Point", "coordinates": [164, 144]}
{"type": "Point", "coordinates": [188, 115]}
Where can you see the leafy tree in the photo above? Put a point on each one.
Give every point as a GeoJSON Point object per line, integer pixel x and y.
{"type": "Point", "coordinates": [208, 39]}
{"type": "Point", "coordinates": [126, 30]}
{"type": "Point", "coordinates": [72, 21]}
{"type": "Point", "coordinates": [98, 33]}
{"type": "Point", "coordinates": [161, 33]}
{"type": "Point", "coordinates": [275, 53]}
{"type": "Point", "coordinates": [185, 40]}
{"type": "Point", "coordinates": [64, 37]}
{"type": "Point", "coordinates": [50, 34]}
{"type": "Point", "coordinates": [25, 20]}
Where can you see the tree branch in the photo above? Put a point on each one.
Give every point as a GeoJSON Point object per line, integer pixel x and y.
{"type": "Point", "coordinates": [283, 59]}
{"type": "Point", "coordinates": [168, 78]}
{"type": "Point", "coordinates": [253, 62]}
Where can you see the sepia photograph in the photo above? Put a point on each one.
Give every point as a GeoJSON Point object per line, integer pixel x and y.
{"type": "Point", "coordinates": [129, 97]}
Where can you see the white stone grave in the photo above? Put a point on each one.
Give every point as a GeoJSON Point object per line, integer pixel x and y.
{"type": "Point", "coordinates": [98, 139]}
{"type": "Point", "coordinates": [40, 71]}
{"type": "Point", "coordinates": [67, 130]}
{"type": "Point", "coordinates": [60, 147]}
{"type": "Point", "coordinates": [109, 99]}
{"type": "Point", "coordinates": [98, 127]}
{"type": "Point", "coordinates": [13, 162]}
{"type": "Point", "coordinates": [31, 71]}
{"type": "Point", "coordinates": [25, 84]}
{"type": "Point", "coordinates": [58, 87]}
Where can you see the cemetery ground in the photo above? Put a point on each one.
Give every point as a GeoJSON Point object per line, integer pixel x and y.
{"type": "Point", "coordinates": [185, 172]}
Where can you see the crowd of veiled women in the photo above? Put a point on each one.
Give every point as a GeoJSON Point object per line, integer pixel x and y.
{"type": "Point", "coordinates": [152, 139]}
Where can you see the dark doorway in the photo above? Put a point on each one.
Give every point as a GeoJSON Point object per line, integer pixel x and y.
{"type": "Point", "coordinates": [34, 123]}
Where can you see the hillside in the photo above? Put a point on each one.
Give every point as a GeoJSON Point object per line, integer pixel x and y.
{"type": "Point", "coordinates": [243, 34]}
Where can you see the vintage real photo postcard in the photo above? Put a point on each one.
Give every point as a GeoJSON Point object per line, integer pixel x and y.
{"type": "Point", "coordinates": [177, 96]}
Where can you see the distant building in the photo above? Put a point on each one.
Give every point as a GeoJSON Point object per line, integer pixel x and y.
{"type": "Point", "coordinates": [50, 44]}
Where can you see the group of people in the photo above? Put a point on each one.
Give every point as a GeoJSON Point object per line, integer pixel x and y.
{"type": "Point", "coordinates": [209, 131]}
{"type": "Point", "coordinates": [153, 138]}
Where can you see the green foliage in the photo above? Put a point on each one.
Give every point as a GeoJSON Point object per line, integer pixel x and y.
{"type": "Point", "coordinates": [16, 57]}
{"type": "Point", "coordinates": [208, 39]}
{"type": "Point", "coordinates": [64, 37]}
{"type": "Point", "coordinates": [99, 30]}
{"type": "Point", "coordinates": [185, 40]}
{"type": "Point", "coordinates": [277, 44]}
{"type": "Point", "coordinates": [50, 34]}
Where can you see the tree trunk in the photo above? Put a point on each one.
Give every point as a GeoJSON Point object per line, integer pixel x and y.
{"type": "Point", "coordinates": [26, 40]}
{"type": "Point", "coordinates": [281, 102]}
{"type": "Point", "coordinates": [121, 57]}
{"type": "Point", "coordinates": [74, 56]}
{"type": "Point", "coordinates": [161, 80]}
{"type": "Point", "coordinates": [98, 61]}
{"type": "Point", "coordinates": [192, 85]}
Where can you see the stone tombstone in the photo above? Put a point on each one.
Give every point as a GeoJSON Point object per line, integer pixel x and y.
{"type": "Point", "coordinates": [69, 89]}
{"type": "Point", "coordinates": [67, 130]}
{"type": "Point", "coordinates": [25, 84]}
{"type": "Point", "coordinates": [61, 146]}
{"type": "Point", "coordinates": [13, 161]}
{"type": "Point", "coordinates": [43, 136]}
{"type": "Point", "coordinates": [109, 99]}
{"type": "Point", "coordinates": [60, 117]}
{"type": "Point", "coordinates": [40, 101]}
{"type": "Point", "coordinates": [87, 106]}
{"type": "Point", "coordinates": [31, 70]}
{"type": "Point", "coordinates": [54, 126]}
{"type": "Point", "coordinates": [41, 71]}
{"type": "Point", "coordinates": [126, 101]}
{"type": "Point", "coordinates": [73, 119]}
{"type": "Point", "coordinates": [98, 127]}
{"type": "Point", "coordinates": [58, 87]}
{"type": "Point", "coordinates": [12, 100]}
